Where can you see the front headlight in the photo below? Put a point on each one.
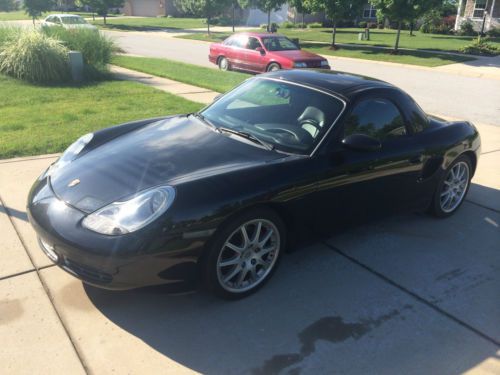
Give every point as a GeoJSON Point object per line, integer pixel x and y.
{"type": "Point", "coordinates": [300, 65]}
{"type": "Point", "coordinates": [324, 63]}
{"type": "Point", "coordinates": [131, 215]}
{"type": "Point", "coordinates": [71, 153]}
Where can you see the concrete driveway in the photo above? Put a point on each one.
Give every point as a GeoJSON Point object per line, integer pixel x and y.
{"type": "Point", "coordinates": [410, 294]}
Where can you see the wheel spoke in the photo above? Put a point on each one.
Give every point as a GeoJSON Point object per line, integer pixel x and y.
{"type": "Point", "coordinates": [229, 262]}
{"type": "Point", "coordinates": [232, 274]}
{"type": "Point", "coordinates": [266, 238]}
{"type": "Point", "coordinates": [267, 250]}
{"type": "Point", "coordinates": [257, 233]}
{"type": "Point", "coordinates": [263, 263]}
{"type": "Point", "coordinates": [235, 248]}
{"type": "Point", "coordinates": [246, 240]}
{"type": "Point", "coordinates": [241, 277]}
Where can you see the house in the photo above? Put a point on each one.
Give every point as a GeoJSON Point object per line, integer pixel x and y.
{"type": "Point", "coordinates": [478, 10]}
{"type": "Point", "coordinates": [150, 8]}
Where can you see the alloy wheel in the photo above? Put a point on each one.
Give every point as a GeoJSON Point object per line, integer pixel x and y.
{"type": "Point", "coordinates": [454, 187]}
{"type": "Point", "coordinates": [248, 255]}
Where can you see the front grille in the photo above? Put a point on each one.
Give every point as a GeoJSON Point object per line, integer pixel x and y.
{"type": "Point", "coordinates": [314, 64]}
{"type": "Point", "coordinates": [86, 273]}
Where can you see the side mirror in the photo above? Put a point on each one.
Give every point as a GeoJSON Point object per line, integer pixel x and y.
{"type": "Point", "coordinates": [361, 142]}
{"type": "Point", "coordinates": [261, 50]}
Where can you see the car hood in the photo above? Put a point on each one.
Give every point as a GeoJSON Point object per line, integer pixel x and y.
{"type": "Point", "coordinates": [170, 151]}
{"type": "Point", "coordinates": [298, 55]}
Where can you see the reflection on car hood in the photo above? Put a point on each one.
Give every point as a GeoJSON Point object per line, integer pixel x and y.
{"type": "Point", "coordinates": [298, 55]}
{"type": "Point", "coordinates": [170, 151]}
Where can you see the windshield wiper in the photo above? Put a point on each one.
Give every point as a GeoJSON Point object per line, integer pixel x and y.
{"type": "Point", "coordinates": [248, 136]}
{"type": "Point", "coordinates": [204, 120]}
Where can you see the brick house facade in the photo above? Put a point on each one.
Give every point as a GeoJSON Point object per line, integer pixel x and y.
{"type": "Point", "coordinates": [477, 10]}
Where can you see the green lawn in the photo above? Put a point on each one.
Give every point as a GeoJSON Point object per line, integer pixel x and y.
{"type": "Point", "coordinates": [21, 15]}
{"type": "Point", "coordinates": [366, 52]}
{"type": "Point", "coordinates": [151, 23]}
{"type": "Point", "coordinates": [195, 75]}
{"type": "Point", "coordinates": [39, 120]}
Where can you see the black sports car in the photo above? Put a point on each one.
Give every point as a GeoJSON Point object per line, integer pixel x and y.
{"type": "Point", "coordinates": [217, 195]}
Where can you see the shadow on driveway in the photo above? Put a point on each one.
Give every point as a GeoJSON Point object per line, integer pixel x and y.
{"type": "Point", "coordinates": [323, 313]}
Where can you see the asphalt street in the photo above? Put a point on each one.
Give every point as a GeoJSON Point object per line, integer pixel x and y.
{"type": "Point", "coordinates": [438, 92]}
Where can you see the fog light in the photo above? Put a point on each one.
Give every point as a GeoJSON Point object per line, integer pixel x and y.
{"type": "Point", "coordinates": [49, 250]}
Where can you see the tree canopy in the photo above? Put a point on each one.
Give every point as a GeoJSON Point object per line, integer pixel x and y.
{"type": "Point", "coordinates": [35, 8]}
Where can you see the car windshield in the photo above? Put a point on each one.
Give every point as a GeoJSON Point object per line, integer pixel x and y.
{"type": "Point", "coordinates": [279, 44]}
{"type": "Point", "coordinates": [74, 20]}
{"type": "Point", "coordinates": [288, 117]}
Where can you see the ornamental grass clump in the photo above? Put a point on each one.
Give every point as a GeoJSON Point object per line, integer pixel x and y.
{"type": "Point", "coordinates": [34, 57]}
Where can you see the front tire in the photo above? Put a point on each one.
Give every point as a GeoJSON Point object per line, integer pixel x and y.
{"type": "Point", "coordinates": [224, 64]}
{"type": "Point", "coordinates": [273, 67]}
{"type": "Point", "coordinates": [244, 254]}
{"type": "Point", "coordinates": [452, 188]}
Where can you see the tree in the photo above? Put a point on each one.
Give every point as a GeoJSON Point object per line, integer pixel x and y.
{"type": "Point", "coordinates": [35, 8]}
{"type": "Point", "coordinates": [91, 4]}
{"type": "Point", "coordinates": [102, 7]}
{"type": "Point", "coordinates": [203, 8]}
{"type": "Point", "coordinates": [404, 11]}
{"type": "Point", "coordinates": [268, 6]}
{"type": "Point", "coordinates": [336, 10]}
{"type": "Point", "coordinates": [7, 5]}
{"type": "Point", "coordinates": [300, 7]}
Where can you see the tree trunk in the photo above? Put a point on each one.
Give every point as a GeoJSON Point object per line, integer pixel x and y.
{"type": "Point", "coordinates": [33, 21]}
{"type": "Point", "coordinates": [93, 16]}
{"type": "Point", "coordinates": [104, 17]}
{"type": "Point", "coordinates": [303, 23]}
{"type": "Point", "coordinates": [411, 28]}
{"type": "Point", "coordinates": [396, 46]}
{"type": "Point", "coordinates": [334, 35]}
{"type": "Point", "coordinates": [233, 16]}
{"type": "Point", "coordinates": [208, 25]}
{"type": "Point", "coordinates": [269, 20]}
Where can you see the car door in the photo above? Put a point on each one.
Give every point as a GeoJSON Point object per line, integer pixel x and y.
{"type": "Point", "coordinates": [236, 51]}
{"type": "Point", "coordinates": [356, 185]}
{"type": "Point", "coordinates": [254, 59]}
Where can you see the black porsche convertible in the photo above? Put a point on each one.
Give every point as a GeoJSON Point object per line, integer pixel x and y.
{"type": "Point", "coordinates": [218, 195]}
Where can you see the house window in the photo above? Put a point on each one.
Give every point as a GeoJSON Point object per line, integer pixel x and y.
{"type": "Point", "coordinates": [370, 12]}
{"type": "Point", "coordinates": [479, 8]}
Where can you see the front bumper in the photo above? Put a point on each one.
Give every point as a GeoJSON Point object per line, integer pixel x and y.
{"type": "Point", "coordinates": [144, 258]}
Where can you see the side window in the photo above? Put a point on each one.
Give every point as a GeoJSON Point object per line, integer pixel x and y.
{"type": "Point", "coordinates": [253, 43]}
{"type": "Point", "coordinates": [56, 20]}
{"type": "Point", "coordinates": [378, 118]}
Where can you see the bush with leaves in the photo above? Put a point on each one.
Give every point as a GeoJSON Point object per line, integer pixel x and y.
{"type": "Point", "coordinates": [480, 47]}
{"type": "Point", "coordinates": [314, 25]}
{"type": "Point", "coordinates": [287, 25]}
{"type": "Point", "coordinates": [467, 29]}
{"type": "Point", "coordinates": [96, 48]}
{"type": "Point", "coordinates": [8, 5]}
{"type": "Point", "coordinates": [35, 57]}
{"type": "Point", "coordinates": [494, 33]}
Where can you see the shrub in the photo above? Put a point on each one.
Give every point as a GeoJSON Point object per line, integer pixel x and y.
{"type": "Point", "coordinates": [314, 25]}
{"type": "Point", "coordinates": [494, 33]}
{"type": "Point", "coordinates": [35, 57]}
{"type": "Point", "coordinates": [380, 26]}
{"type": "Point", "coordinates": [480, 47]}
{"type": "Point", "coordinates": [96, 48]}
{"type": "Point", "coordinates": [362, 24]}
{"type": "Point", "coordinates": [288, 25]}
{"type": "Point", "coordinates": [467, 28]}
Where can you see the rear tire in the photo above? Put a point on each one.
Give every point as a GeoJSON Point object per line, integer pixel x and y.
{"type": "Point", "coordinates": [224, 64]}
{"type": "Point", "coordinates": [273, 67]}
{"type": "Point", "coordinates": [452, 188]}
{"type": "Point", "coordinates": [240, 261]}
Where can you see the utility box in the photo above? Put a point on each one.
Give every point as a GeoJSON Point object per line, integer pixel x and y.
{"type": "Point", "coordinates": [76, 65]}
{"type": "Point", "coordinates": [361, 36]}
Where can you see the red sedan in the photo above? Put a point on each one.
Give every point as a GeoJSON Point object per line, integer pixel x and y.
{"type": "Point", "coordinates": [260, 52]}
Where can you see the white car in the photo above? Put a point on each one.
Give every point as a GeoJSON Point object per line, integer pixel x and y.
{"type": "Point", "coordinates": [68, 21]}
